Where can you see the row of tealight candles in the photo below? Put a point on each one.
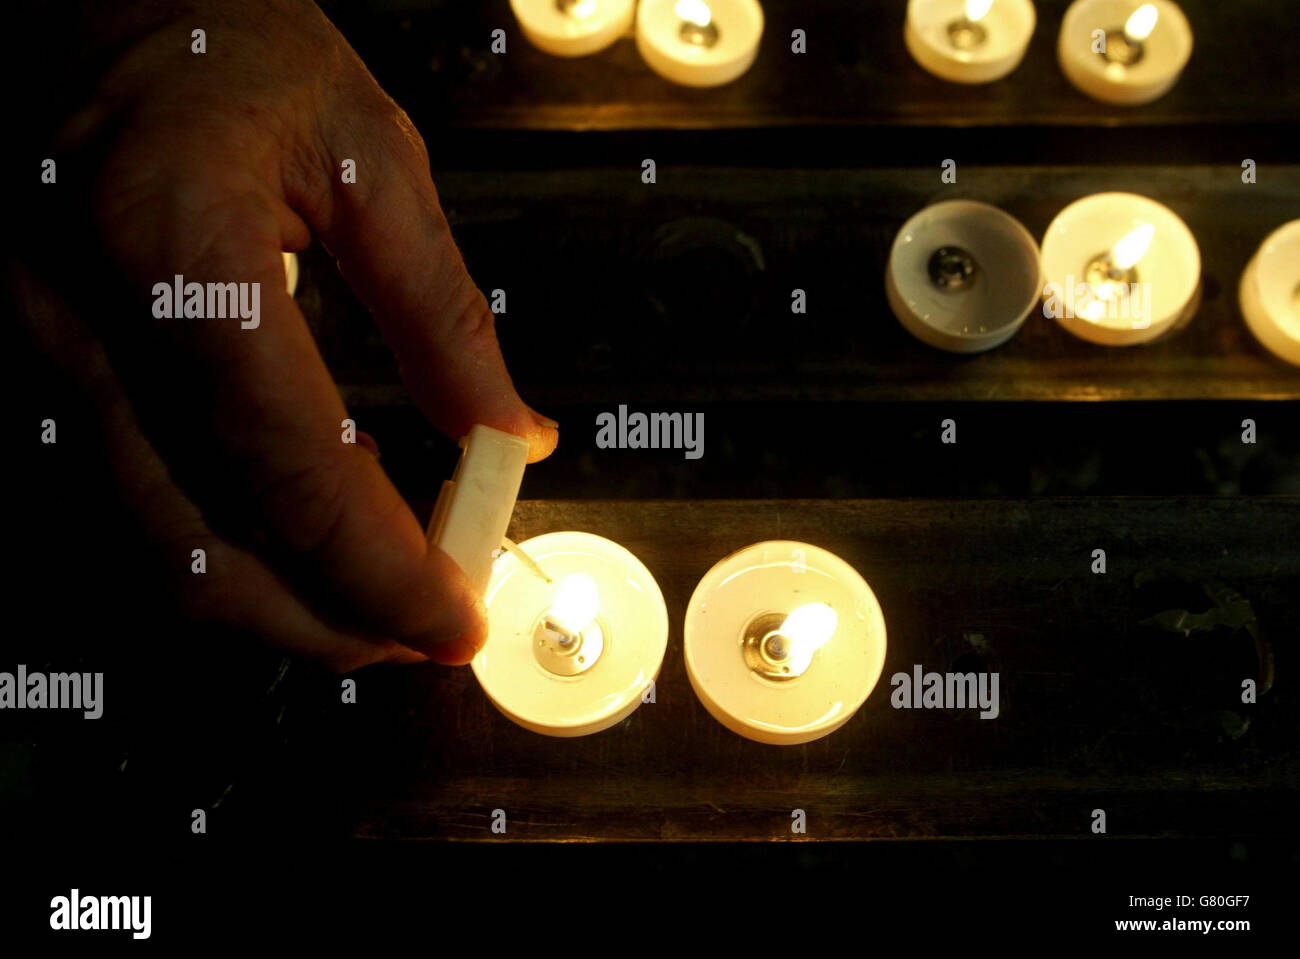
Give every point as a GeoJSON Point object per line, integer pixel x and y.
{"type": "Point", "coordinates": [1116, 269]}
{"type": "Point", "coordinates": [783, 640]}
{"type": "Point", "coordinates": [1117, 51]}
{"type": "Point", "coordinates": [699, 43]}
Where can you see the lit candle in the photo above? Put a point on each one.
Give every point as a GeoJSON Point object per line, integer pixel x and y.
{"type": "Point", "coordinates": [1121, 52]}
{"type": "Point", "coordinates": [577, 630]}
{"type": "Point", "coordinates": [782, 647]}
{"type": "Point", "coordinates": [967, 32]}
{"type": "Point", "coordinates": [1270, 293]}
{"type": "Point", "coordinates": [969, 41]}
{"type": "Point", "coordinates": [573, 28]}
{"type": "Point", "coordinates": [575, 608]}
{"type": "Point", "coordinates": [1113, 273]}
{"type": "Point", "coordinates": [699, 43]}
{"type": "Point", "coordinates": [1124, 47]}
{"type": "Point", "coordinates": [783, 642]}
{"type": "Point", "coordinates": [963, 276]}
{"type": "Point", "coordinates": [1143, 283]}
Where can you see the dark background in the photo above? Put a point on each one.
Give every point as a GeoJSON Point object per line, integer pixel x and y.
{"type": "Point", "coordinates": [675, 297]}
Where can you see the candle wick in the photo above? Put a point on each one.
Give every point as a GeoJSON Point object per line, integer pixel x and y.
{"type": "Point", "coordinates": [528, 562]}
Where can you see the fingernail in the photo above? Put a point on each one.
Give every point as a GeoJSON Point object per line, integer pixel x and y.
{"type": "Point", "coordinates": [549, 423]}
{"type": "Point", "coordinates": [368, 441]}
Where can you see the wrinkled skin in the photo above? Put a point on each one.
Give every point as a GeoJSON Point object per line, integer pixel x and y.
{"type": "Point", "coordinates": [229, 439]}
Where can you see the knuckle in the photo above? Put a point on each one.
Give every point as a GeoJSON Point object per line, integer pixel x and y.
{"type": "Point", "coordinates": [396, 149]}
{"type": "Point", "coordinates": [404, 138]}
{"type": "Point", "coordinates": [306, 173]}
{"type": "Point", "coordinates": [472, 326]}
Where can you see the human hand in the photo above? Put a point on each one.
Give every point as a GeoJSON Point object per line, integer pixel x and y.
{"type": "Point", "coordinates": [229, 439]}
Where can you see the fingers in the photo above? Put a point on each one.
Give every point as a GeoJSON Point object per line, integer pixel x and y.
{"type": "Point", "coordinates": [395, 248]}
{"type": "Point", "coordinates": [245, 416]}
{"type": "Point", "coordinates": [235, 587]}
{"type": "Point", "coordinates": [276, 457]}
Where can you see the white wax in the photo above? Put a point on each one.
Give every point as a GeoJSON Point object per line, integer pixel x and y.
{"type": "Point", "coordinates": [631, 615]}
{"type": "Point", "coordinates": [1005, 290]}
{"type": "Point", "coordinates": [1270, 293]}
{"type": "Point", "coordinates": [1009, 25]}
{"type": "Point", "coordinates": [1165, 51]}
{"type": "Point", "coordinates": [779, 577]}
{"type": "Point", "coordinates": [1171, 265]}
{"type": "Point", "coordinates": [583, 29]}
{"type": "Point", "coordinates": [658, 38]}
{"type": "Point", "coordinates": [475, 505]}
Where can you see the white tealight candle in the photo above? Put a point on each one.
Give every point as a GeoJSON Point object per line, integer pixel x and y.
{"type": "Point", "coordinates": [1120, 51]}
{"type": "Point", "coordinates": [1120, 269]}
{"type": "Point", "coordinates": [575, 635]}
{"type": "Point", "coordinates": [1270, 293]}
{"type": "Point", "coordinates": [573, 28]}
{"type": "Point", "coordinates": [969, 41]}
{"type": "Point", "coordinates": [963, 276]}
{"type": "Point", "coordinates": [783, 642]}
{"type": "Point", "coordinates": [699, 43]}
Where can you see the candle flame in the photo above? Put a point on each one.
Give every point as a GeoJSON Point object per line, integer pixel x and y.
{"type": "Point", "coordinates": [977, 9]}
{"type": "Point", "coordinates": [695, 11]}
{"type": "Point", "coordinates": [1095, 310]}
{"type": "Point", "coordinates": [1141, 24]}
{"type": "Point", "coordinates": [807, 629]}
{"type": "Point", "coordinates": [584, 9]}
{"type": "Point", "coordinates": [576, 603]}
{"type": "Point", "coordinates": [1133, 247]}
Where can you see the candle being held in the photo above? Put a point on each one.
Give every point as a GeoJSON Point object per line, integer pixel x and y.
{"type": "Point", "coordinates": [469, 520]}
